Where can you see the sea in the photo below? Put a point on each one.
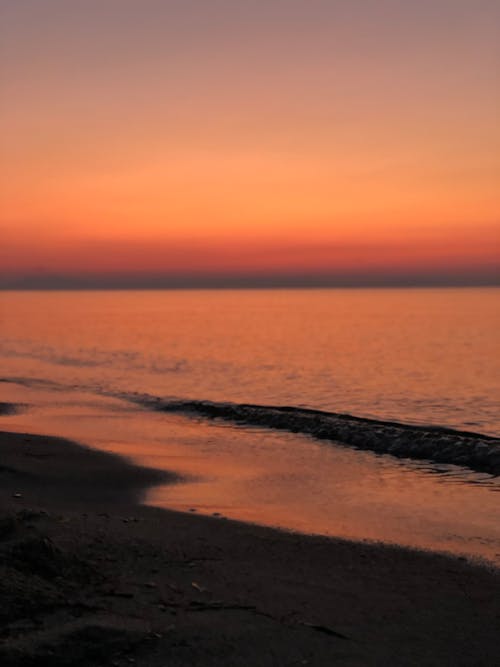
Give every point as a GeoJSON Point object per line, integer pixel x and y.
{"type": "Point", "coordinates": [95, 365]}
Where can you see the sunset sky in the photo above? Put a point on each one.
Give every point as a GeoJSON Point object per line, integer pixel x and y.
{"type": "Point", "coordinates": [249, 141]}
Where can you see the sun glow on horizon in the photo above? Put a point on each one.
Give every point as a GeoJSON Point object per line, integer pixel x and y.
{"type": "Point", "coordinates": [277, 137]}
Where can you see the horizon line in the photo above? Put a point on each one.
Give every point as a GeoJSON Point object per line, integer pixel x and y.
{"type": "Point", "coordinates": [61, 283]}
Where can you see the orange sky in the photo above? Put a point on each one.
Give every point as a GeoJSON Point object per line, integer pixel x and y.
{"type": "Point", "coordinates": [272, 137]}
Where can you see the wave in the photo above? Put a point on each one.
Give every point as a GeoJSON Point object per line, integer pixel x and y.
{"type": "Point", "coordinates": [436, 443]}
{"type": "Point", "coordinates": [440, 444]}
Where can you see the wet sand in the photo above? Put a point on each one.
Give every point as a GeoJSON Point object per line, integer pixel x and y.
{"type": "Point", "coordinates": [89, 576]}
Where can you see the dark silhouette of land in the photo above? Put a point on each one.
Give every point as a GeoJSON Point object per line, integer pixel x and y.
{"type": "Point", "coordinates": [484, 277]}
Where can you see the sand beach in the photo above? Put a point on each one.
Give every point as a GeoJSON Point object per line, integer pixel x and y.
{"type": "Point", "coordinates": [92, 577]}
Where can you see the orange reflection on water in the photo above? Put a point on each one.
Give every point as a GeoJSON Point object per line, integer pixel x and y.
{"type": "Point", "coordinates": [281, 479]}
{"type": "Point", "coordinates": [424, 356]}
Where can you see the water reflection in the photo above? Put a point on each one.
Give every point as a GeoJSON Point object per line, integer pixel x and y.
{"type": "Point", "coordinates": [280, 479]}
{"type": "Point", "coordinates": [416, 356]}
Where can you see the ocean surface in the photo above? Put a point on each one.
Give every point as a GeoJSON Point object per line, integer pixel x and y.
{"type": "Point", "coordinates": [95, 366]}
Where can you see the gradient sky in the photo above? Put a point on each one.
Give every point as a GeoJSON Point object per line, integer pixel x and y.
{"type": "Point", "coordinates": [274, 139]}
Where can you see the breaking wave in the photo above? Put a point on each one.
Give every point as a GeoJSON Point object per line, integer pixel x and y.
{"type": "Point", "coordinates": [440, 444]}
{"type": "Point", "coordinates": [443, 445]}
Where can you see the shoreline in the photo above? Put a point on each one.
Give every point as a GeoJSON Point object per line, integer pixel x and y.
{"type": "Point", "coordinates": [92, 577]}
{"type": "Point", "coordinates": [477, 451]}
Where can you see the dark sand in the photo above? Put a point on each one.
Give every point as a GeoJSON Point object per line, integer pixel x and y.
{"type": "Point", "coordinates": [91, 577]}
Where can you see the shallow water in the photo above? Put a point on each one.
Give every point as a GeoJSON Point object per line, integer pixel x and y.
{"type": "Point", "coordinates": [426, 356]}
{"type": "Point", "coordinates": [279, 479]}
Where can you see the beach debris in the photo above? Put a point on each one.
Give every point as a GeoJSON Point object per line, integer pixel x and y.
{"type": "Point", "coordinates": [325, 629]}
{"type": "Point", "coordinates": [198, 588]}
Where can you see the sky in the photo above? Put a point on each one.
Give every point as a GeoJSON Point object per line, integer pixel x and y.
{"type": "Point", "coordinates": [229, 142]}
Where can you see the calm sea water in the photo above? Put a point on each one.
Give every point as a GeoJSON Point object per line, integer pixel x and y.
{"type": "Point", "coordinates": [421, 356]}
{"type": "Point", "coordinates": [429, 356]}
